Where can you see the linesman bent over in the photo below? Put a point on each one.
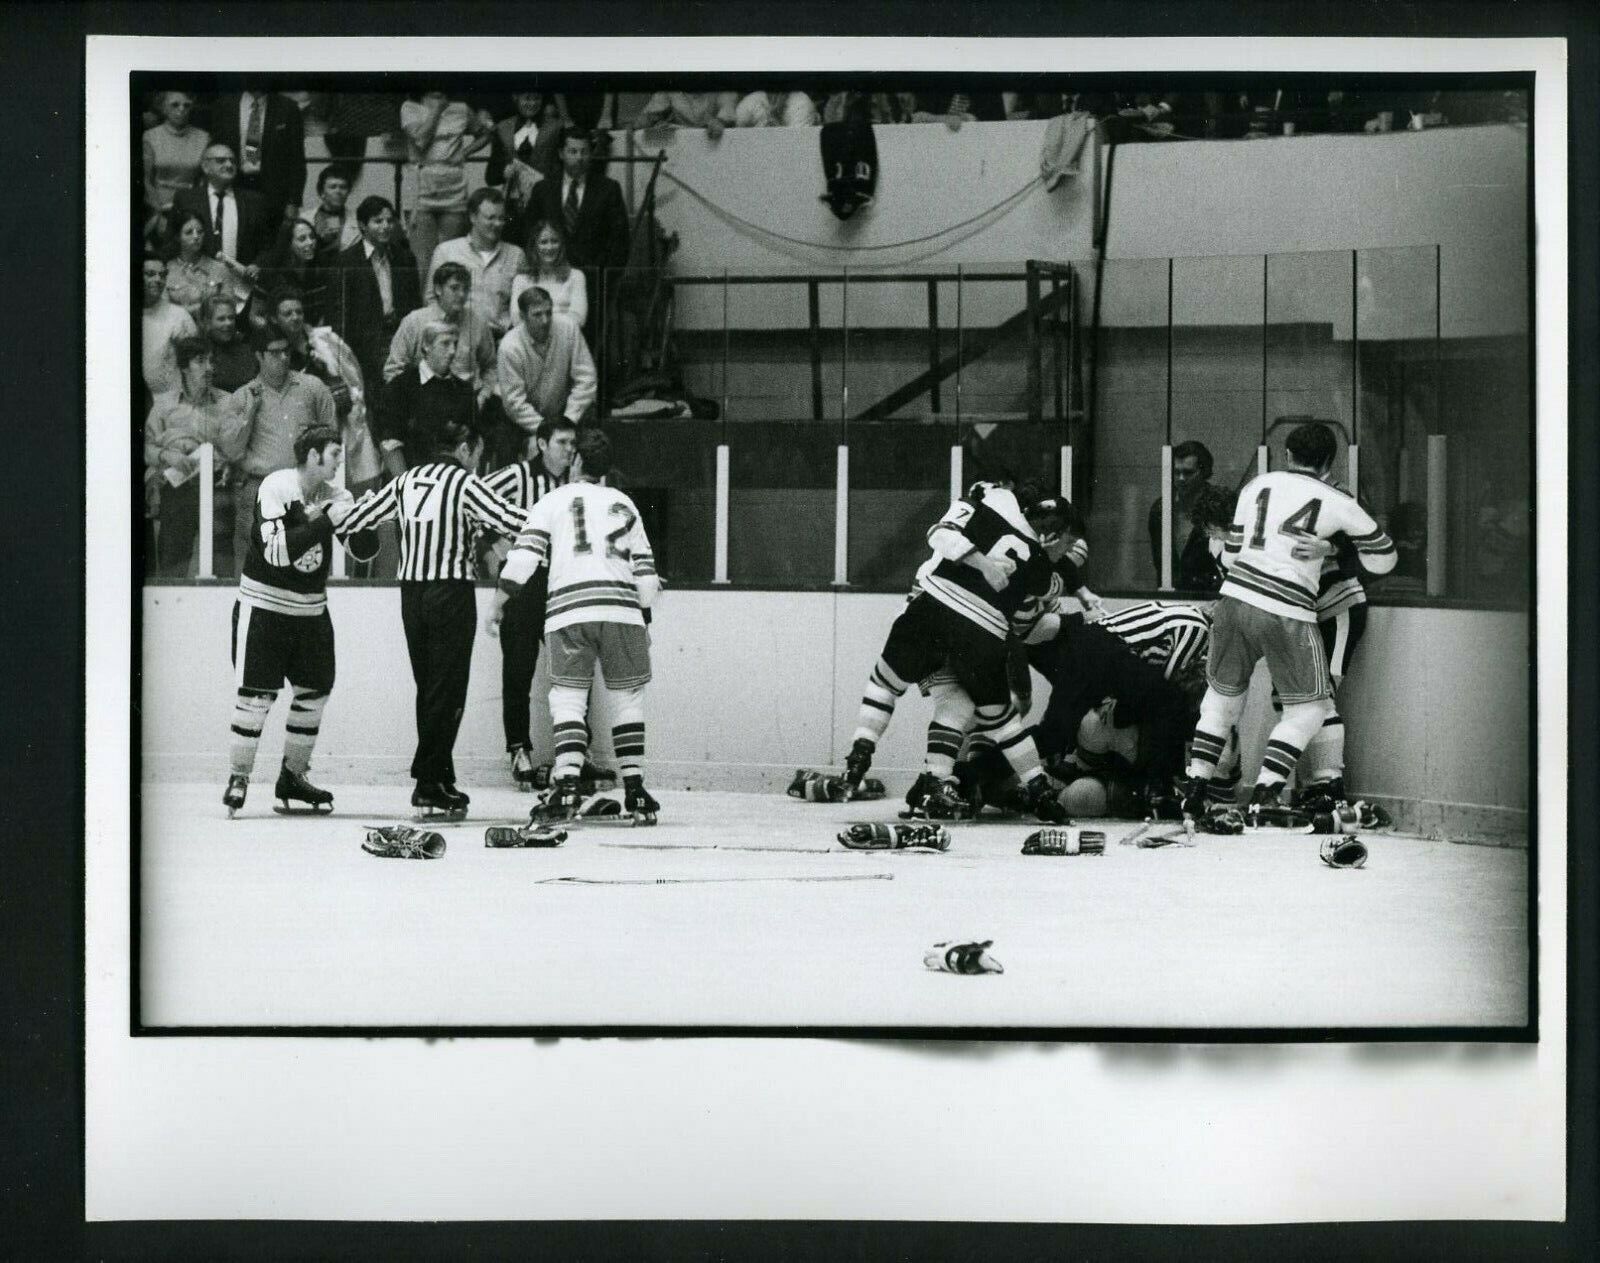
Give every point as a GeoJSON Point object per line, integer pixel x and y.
{"type": "Point", "coordinates": [281, 628]}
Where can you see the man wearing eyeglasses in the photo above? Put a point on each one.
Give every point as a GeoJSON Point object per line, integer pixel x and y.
{"type": "Point", "coordinates": [274, 407]}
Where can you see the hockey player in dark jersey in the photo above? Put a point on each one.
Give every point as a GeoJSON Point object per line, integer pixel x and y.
{"type": "Point", "coordinates": [281, 628]}
{"type": "Point", "coordinates": [990, 556]}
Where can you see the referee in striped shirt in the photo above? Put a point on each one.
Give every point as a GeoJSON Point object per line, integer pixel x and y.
{"type": "Point", "coordinates": [1171, 635]}
{"type": "Point", "coordinates": [440, 505]}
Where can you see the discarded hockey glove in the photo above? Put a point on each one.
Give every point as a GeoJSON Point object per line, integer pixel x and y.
{"type": "Point", "coordinates": [821, 787]}
{"type": "Point", "coordinates": [1370, 815]}
{"type": "Point", "coordinates": [401, 842]}
{"type": "Point", "coordinates": [895, 837]}
{"type": "Point", "coordinates": [962, 958]}
{"type": "Point", "coordinates": [1342, 851]}
{"type": "Point", "coordinates": [528, 835]}
{"type": "Point", "coordinates": [1070, 840]}
{"type": "Point", "coordinates": [1228, 820]}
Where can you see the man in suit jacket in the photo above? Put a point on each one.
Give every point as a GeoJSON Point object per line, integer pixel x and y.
{"type": "Point", "coordinates": [377, 286]}
{"type": "Point", "coordinates": [240, 225]}
{"type": "Point", "coordinates": [265, 131]}
{"type": "Point", "coordinates": [590, 205]}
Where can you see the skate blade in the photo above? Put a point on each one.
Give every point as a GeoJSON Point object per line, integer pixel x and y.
{"type": "Point", "coordinates": [306, 809]}
{"type": "Point", "coordinates": [438, 817]}
{"type": "Point", "coordinates": [642, 819]}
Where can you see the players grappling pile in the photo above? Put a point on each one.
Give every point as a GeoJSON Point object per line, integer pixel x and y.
{"type": "Point", "coordinates": [1121, 735]}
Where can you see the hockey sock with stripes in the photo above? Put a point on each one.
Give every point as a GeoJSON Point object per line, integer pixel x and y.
{"type": "Point", "coordinates": [1003, 725]}
{"type": "Point", "coordinates": [627, 733]}
{"type": "Point", "coordinates": [250, 709]}
{"type": "Point", "coordinates": [1288, 738]}
{"type": "Point", "coordinates": [300, 734]}
{"type": "Point", "coordinates": [568, 723]}
{"type": "Point", "coordinates": [1323, 759]}
{"type": "Point", "coordinates": [1219, 715]}
{"type": "Point", "coordinates": [884, 689]}
{"type": "Point", "coordinates": [952, 716]}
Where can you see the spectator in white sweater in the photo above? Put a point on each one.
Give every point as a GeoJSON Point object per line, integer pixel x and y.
{"type": "Point", "coordinates": [545, 370]}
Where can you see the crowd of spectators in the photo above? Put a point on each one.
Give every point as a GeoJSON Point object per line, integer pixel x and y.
{"type": "Point", "coordinates": [265, 309]}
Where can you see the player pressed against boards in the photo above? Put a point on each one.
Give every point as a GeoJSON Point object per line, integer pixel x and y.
{"type": "Point", "coordinates": [602, 581]}
{"type": "Point", "coordinates": [1281, 536]}
{"type": "Point", "coordinates": [281, 628]}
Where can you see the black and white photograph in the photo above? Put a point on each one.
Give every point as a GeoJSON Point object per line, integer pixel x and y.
{"type": "Point", "coordinates": [788, 541]}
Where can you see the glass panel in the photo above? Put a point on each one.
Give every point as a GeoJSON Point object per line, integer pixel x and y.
{"type": "Point", "coordinates": [901, 329]}
{"type": "Point", "coordinates": [1129, 368]}
{"type": "Point", "coordinates": [782, 479]}
{"type": "Point", "coordinates": [1218, 360]}
{"type": "Point", "coordinates": [1310, 355]}
{"type": "Point", "coordinates": [1398, 352]}
{"type": "Point", "coordinates": [669, 468]}
{"type": "Point", "coordinates": [993, 381]}
{"type": "Point", "coordinates": [899, 486]}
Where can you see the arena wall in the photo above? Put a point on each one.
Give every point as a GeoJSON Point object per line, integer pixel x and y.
{"type": "Point", "coordinates": [750, 685]}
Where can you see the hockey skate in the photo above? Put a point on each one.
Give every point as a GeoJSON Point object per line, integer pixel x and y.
{"type": "Point", "coordinates": [559, 804]}
{"type": "Point", "coordinates": [438, 800]}
{"type": "Point", "coordinates": [1040, 797]}
{"type": "Point", "coordinates": [856, 764]}
{"type": "Point", "coordinates": [522, 768]}
{"type": "Point", "coordinates": [638, 802]}
{"type": "Point", "coordinates": [593, 779]}
{"type": "Point", "coordinates": [916, 807]}
{"type": "Point", "coordinates": [1325, 795]}
{"type": "Point", "coordinates": [292, 787]}
{"type": "Point", "coordinates": [1264, 809]}
{"type": "Point", "coordinates": [946, 802]}
{"type": "Point", "coordinates": [233, 796]}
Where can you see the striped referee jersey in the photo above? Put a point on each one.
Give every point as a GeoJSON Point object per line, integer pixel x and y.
{"type": "Point", "coordinates": [1166, 634]}
{"type": "Point", "coordinates": [525, 482]}
{"type": "Point", "coordinates": [439, 507]}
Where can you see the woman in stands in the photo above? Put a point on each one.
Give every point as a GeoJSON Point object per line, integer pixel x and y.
{"type": "Point", "coordinates": [192, 277]}
{"type": "Point", "coordinates": [291, 264]}
{"type": "Point", "coordinates": [172, 152]}
{"type": "Point", "coordinates": [569, 293]}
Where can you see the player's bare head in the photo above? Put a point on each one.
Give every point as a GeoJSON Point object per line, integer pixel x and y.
{"type": "Point", "coordinates": [557, 438]}
{"type": "Point", "coordinates": [1052, 519]}
{"type": "Point", "coordinates": [460, 444]}
{"type": "Point", "coordinates": [1311, 446]}
{"type": "Point", "coordinates": [1212, 508]}
{"type": "Point", "coordinates": [318, 447]}
{"type": "Point", "coordinates": [592, 456]}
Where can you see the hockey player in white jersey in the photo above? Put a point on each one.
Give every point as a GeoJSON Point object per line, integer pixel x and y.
{"type": "Point", "coordinates": [602, 581]}
{"type": "Point", "coordinates": [1283, 528]}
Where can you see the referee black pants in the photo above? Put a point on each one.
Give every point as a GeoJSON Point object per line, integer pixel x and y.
{"type": "Point", "coordinates": [521, 631]}
{"type": "Point", "coordinates": [440, 618]}
{"type": "Point", "coordinates": [1087, 664]}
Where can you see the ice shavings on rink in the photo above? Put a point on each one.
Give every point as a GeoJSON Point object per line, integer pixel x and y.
{"type": "Point", "coordinates": [735, 911]}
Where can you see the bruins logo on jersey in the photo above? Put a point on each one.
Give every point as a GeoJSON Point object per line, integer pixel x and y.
{"type": "Point", "coordinates": [309, 561]}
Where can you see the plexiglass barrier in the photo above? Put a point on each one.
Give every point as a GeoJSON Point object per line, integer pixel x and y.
{"type": "Point", "coordinates": [804, 429]}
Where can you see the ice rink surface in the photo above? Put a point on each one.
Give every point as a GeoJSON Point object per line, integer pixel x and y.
{"type": "Point", "coordinates": [742, 910]}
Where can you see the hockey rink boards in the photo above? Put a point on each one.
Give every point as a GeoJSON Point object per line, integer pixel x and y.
{"type": "Point", "coordinates": [742, 910]}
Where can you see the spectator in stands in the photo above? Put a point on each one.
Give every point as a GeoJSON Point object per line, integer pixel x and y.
{"type": "Point", "coordinates": [425, 397]}
{"type": "Point", "coordinates": [1194, 569]}
{"type": "Point", "coordinates": [271, 410]}
{"type": "Point", "coordinates": [293, 263]}
{"type": "Point", "coordinates": [355, 117]}
{"type": "Point", "coordinates": [713, 111]}
{"type": "Point", "coordinates": [553, 272]}
{"type": "Point", "coordinates": [172, 151]}
{"type": "Point", "coordinates": [233, 363]}
{"type": "Point", "coordinates": [474, 356]}
{"type": "Point", "coordinates": [164, 323]}
{"type": "Point", "coordinates": [335, 226]}
{"type": "Point", "coordinates": [1408, 527]}
{"type": "Point", "coordinates": [440, 134]}
{"type": "Point", "coordinates": [238, 227]}
{"type": "Point", "coordinates": [490, 261]}
{"type": "Point", "coordinates": [178, 424]}
{"type": "Point", "coordinates": [775, 109]}
{"type": "Point", "coordinates": [377, 286]}
{"type": "Point", "coordinates": [589, 205]}
{"type": "Point", "coordinates": [589, 112]}
{"type": "Point", "coordinates": [524, 149]}
{"type": "Point", "coordinates": [193, 277]}
{"type": "Point", "coordinates": [267, 135]}
{"type": "Point", "coordinates": [545, 370]}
